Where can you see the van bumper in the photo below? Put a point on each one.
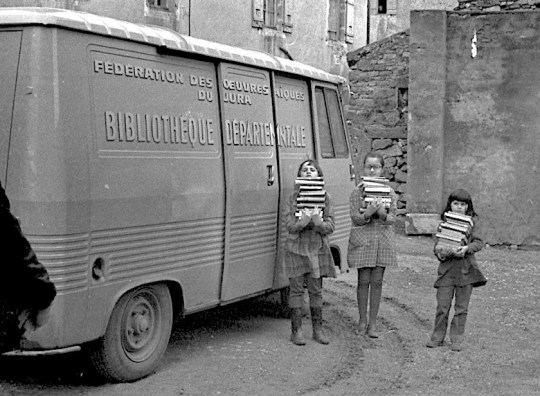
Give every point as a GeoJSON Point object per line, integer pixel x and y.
{"type": "Point", "coordinates": [44, 352]}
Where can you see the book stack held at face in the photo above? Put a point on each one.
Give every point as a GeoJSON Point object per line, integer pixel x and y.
{"type": "Point", "coordinates": [454, 230]}
{"type": "Point", "coordinates": [376, 187]}
{"type": "Point", "coordinates": [311, 195]}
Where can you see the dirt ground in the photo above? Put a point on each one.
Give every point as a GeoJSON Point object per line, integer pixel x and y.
{"type": "Point", "coordinates": [244, 349]}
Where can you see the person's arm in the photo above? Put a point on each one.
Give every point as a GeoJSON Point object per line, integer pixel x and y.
{"type": "Point", "coordinates": [325, 225]}
{"type": "Point", "coordinates": [293, 223]}
{"type": "Point", "coordinates": [356, 207]}
{"type": "Point", "coordinates": [27, 279]}
{"type": "Point", "coordinates": [388, 215]}
{"type": "Point", "coordinates": [475, 242]}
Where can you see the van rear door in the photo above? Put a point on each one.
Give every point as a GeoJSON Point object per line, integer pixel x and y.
{"type": "Point", "coordinates": [10, 43]}
{"type": "Point", "coordinates": [252, 183]}
{"type": "Point", "coordinates": [295, 144]}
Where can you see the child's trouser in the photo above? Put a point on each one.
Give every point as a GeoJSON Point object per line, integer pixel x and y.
{"type": "Point", "coordinates": [296, 291]}
{"type": "Point", "coordinates": [445, 295]}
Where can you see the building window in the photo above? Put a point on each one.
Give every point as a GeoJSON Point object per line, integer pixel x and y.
{"type": "Point", "coordinates": [403, 101]}
{"type": "Point", "coordinates": [340, 20]}
{"type": "Point", "coordinates": [333, 20]}
{"type": "Point", "coordinates": [264, 13]}
{"type": "Point", "coordinates": [161, 4]}
{"type": "Point", "coordinates": [270, 13]}
{"type": "Point", "coordinates": [383, 7]}
{"type": "Point", "coordinates": [287, 16]}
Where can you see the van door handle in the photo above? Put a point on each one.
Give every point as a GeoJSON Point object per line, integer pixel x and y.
{"type": "Point", "coordinates": [352, 172]}
{"type": "Point", "coordinates": [271, 177]}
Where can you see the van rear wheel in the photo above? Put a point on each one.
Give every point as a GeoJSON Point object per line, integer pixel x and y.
{"type": "Point", "coordinates": [137, 335]}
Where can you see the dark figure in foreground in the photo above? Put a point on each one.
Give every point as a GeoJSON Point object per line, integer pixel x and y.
{"type": "Point", "coordinates": [26, 291]}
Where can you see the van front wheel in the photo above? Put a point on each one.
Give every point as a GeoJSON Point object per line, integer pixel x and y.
{"type": "Point", "coordinates": [137, 335]}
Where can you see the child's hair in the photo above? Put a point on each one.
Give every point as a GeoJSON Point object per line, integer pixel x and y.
{"type": "Point", "coordinates": [310, 162]}
{"type": "Point", "coordinates": [463, 196]}
{"type": "Point", "coordinates": [373, 154]}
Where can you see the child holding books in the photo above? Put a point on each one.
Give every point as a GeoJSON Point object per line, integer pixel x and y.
{"type": "Point", "coordinates": [372, 240]}
{"type": "Point", "coordinates": [457, 275]}
{"type": "Point", "coordinates": [308, 258]}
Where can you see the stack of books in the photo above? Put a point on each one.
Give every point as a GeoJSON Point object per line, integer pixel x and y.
{"type": "Point", "coordinates": [311, 195]}
{"type": "Point", "coordinates": [376, 187]}
{"type": "Point", "coordinates": [454, 230]}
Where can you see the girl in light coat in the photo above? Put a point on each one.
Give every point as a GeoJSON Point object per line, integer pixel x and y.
{"type": "Point", "coordinates": [372, 245]}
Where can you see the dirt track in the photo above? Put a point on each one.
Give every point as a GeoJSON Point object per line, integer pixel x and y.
{"type": "Point", "coordinates": [244, 349]}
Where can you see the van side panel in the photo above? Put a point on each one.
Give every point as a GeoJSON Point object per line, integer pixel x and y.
{"type": "Point", "coordinates": [295, 144]}
{"type": "Point", "coordinates": [10, 42]}
{"type": "Point", "coordinates": [252, 180]}
{"type": "Point", "coordinates": [48, 172]}
{"type": "Point", "coordinates": [158, 189]}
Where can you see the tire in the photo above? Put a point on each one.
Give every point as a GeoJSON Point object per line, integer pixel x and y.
{"type": "Point", "coordinates": [137, 335]}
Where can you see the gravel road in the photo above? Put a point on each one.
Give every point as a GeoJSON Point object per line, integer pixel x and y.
{"type": "Point", "coordinates": [244, 349]}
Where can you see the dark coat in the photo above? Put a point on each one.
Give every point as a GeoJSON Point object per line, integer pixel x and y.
{"type": "Point", "coordinates": [24, 284]}
{"type": "Point", "coordinates": [309, 246]}
{"type": "Point", "coordinates": [457, 271]}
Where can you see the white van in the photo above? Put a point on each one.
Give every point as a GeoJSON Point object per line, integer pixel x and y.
{"type": "Point", "coordinates": [149, 171]}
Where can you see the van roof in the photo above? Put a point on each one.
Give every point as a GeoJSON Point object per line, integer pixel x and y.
{"type": "Point", "coordinates": [156, 36]}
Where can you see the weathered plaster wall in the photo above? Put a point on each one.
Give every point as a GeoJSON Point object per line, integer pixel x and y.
{"type": "Point", "coordinates": [489, 132]}
{"type": "Point", "coordinates": [230, 22]}
{"type": "Point", "coordinates": [386, 25]}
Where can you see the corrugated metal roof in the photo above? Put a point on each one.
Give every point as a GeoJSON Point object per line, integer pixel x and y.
{"type": "Point", "coordinates": [156, 36]}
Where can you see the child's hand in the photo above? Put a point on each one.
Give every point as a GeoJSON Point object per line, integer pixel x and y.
{"type": "Point", "coordinates": [371, 209]}
{"type": "Point", "coordinates": [443, 253]}
{"type": "Point", "coordinates": [381, 210]}
{"type": "Point", "coordinates": [317, 219]}
{"type": "Point", "coordinates": [304, 219]}
{"type": "Point", "coordinates": [40, 318]}
{"type": "Point", "coordinates": [460, 251]}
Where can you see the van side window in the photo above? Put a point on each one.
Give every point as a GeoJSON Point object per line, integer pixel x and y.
{"type": "Point", "coordinates": [331, 130]}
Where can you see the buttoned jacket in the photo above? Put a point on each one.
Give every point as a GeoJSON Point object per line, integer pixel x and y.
{"type": "Point", "coordinates": [372, 241]}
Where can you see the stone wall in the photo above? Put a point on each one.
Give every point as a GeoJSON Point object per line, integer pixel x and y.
{"type": "Point", "coordinates": [378, 110]}
{"type": "Point", "coordinates": [497, 5]}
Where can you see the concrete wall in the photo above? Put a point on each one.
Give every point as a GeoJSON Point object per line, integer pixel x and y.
{"type": "Point", "coordinates": [474, 118]}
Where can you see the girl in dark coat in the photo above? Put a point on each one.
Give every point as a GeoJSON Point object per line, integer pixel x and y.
{"type": "Point", "coordinates": [25, 288]}
{"type": "Point", "coordinates": [309, 257]}
{"type": "Point", "coordinates": [457, 274]}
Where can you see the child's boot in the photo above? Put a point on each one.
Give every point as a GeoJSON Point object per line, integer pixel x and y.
{"type": "Point", "coordinates": [297, 337]}
{"type": "Point", "coordinates": [362, 294]}
{"type": "Point", "coordinates": [316, 319]}
{"type": "Point", "coordinates": [457, 346]}
{"type": "Point", "coordinates": [374, 303]}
